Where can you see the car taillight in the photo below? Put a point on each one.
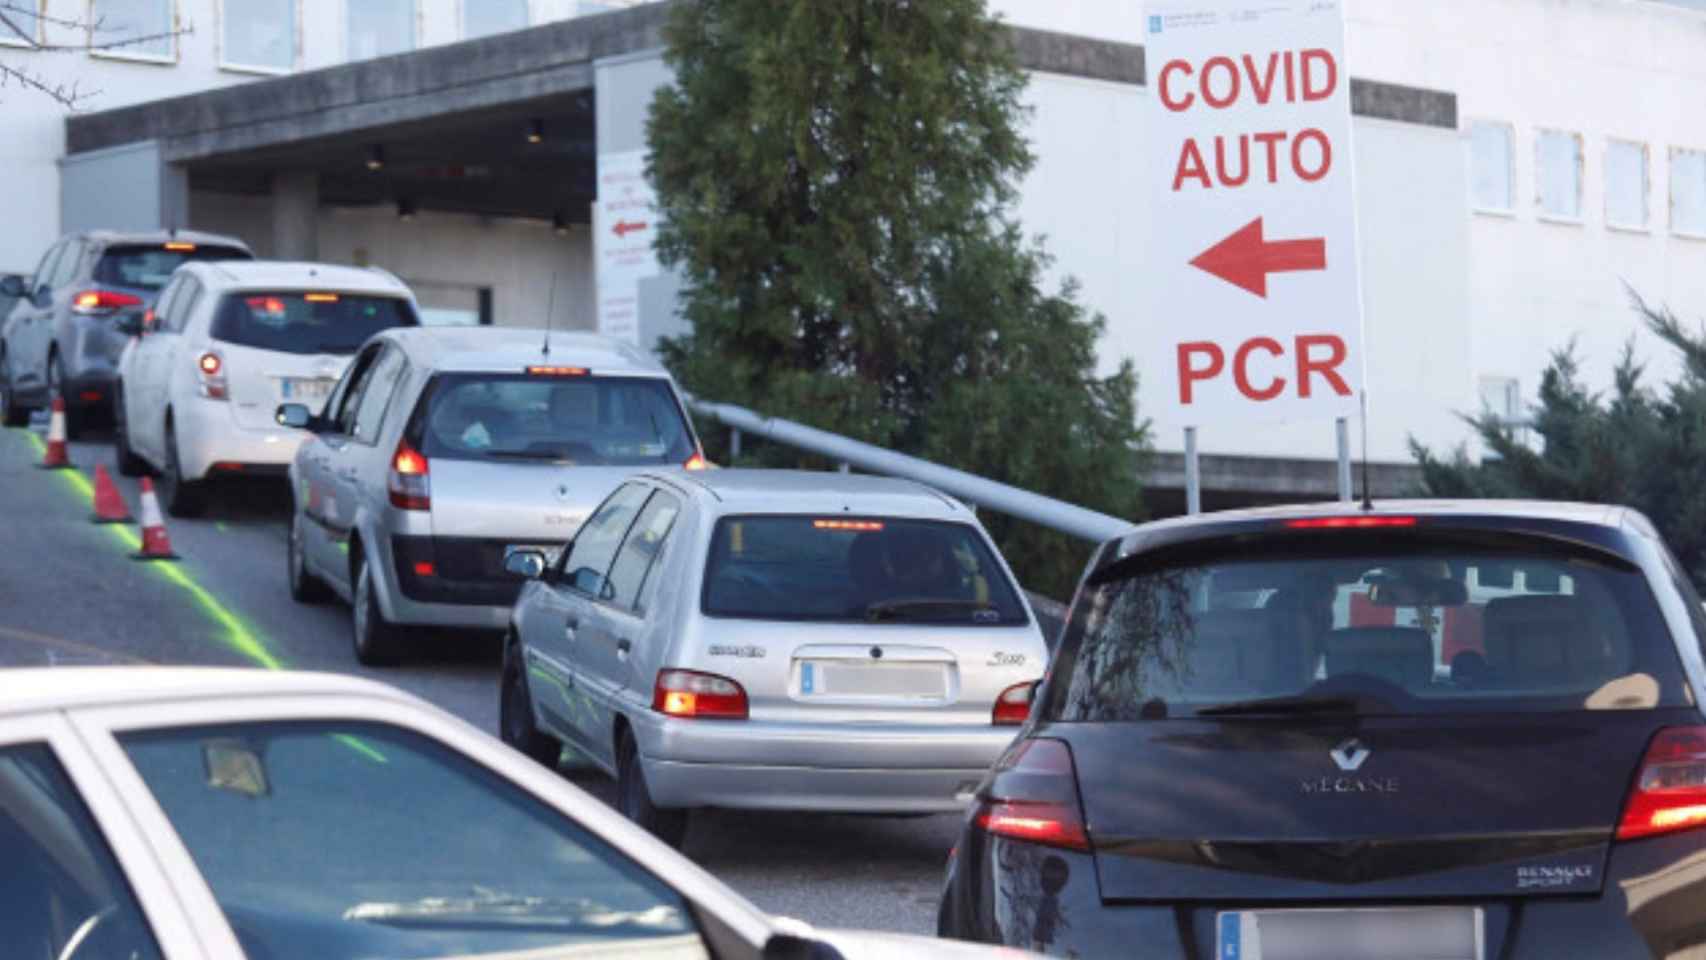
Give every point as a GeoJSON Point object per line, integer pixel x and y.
{"type": "Point", "coordinates": [689, 693]}
{"type": "Point", "coordinates": [409, 484]}
{"type": "Point", "coordinates": [1013, 707]}
{"type": "Point", "coordinates": [697, 462]}
{"type": "Point", "coordinates": [1350, 523]}
{"type": "Point", "coordinates": [102, 301]}
{"type": "Point", "coordinates": [1670, 791]}
{"type": "Point", "coordinates": [210, 369]}
{"type": "Point", "coordinates": [1033, 796]}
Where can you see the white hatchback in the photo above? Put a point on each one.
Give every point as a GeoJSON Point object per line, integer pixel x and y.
{"type": "Point", "coordinates": [225, 344]}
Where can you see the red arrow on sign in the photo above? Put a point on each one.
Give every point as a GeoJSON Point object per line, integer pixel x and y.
{"type": "Point", "coordinates": [623, 227]}
{"type": "Point", "coordinates": [1244, 259]}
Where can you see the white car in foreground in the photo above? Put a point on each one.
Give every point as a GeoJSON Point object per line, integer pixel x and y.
{"type": "Point", "coordinates": [223, 346]}
{"type": "Point", "coordinates": [171, 813]}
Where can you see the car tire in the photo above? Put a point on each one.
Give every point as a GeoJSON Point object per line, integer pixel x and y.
{"type": "Point", "coordinates": [376, 641]}
{"type": "Point", "coordinates": [634, 798]}
{"type": "Point", "coordinates": [56, 389]}
{"type": "Point", "coordinates": [11, 414]}
{"type": "Point", "coordinates": [304, 586]}
{"type": "Point", "coordinates": [180, 497]}
{"type": "Point", "coordinates": [129, 464]}
{"type": "Point", "coordinates": [515, 713]}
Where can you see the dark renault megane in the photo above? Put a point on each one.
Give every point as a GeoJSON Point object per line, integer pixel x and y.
{"type": "Point", "coordinates": [1446, 730]}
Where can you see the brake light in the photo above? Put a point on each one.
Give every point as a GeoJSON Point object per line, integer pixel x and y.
{"type": "Point", "coordinates": [689, 693]}
{"type": "Point", "coordinates": [697, 462]}
{"type": "Point", "coordinates": [177, 246]}
{"type": "Point", "coordinates": [102, 301]}
{"type": "Point", "coordinates": [408, 483]}
{"type": "Point", "coordinates": [424, 568]}
{"type": "Point", "coordinates": [557, 371]}
{"type": "Point", "coordinates": [320, 297]}
{"type": "Point", "coordinates": [1013, 707]}
{"type": "Point", "coordinates": [1349, 523]}
{"type": "Point", "coordinates": [210, 368]}
{"type": "Point", "coordinates": [1033, 796]}
{"type": "Point", "coordinates": [855, 525]}
{"type": "Point", "coordinates": [1670, 791]}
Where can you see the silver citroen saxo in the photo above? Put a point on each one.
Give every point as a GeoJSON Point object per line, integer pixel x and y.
{"type": "Point", "coordinates": [773, 640]}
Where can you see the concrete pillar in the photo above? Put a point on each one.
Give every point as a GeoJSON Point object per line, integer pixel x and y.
{"type": "Point", "coordinates": [174, 197]}
{"type": "Point", "coordinates": [296, 215]}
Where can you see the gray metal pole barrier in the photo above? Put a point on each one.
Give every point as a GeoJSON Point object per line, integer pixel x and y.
{"type": "Point", "coordinates": [1044, 511]}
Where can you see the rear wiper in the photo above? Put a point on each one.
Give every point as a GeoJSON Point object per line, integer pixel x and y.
{"type": "Point", "coordinates": [1337, 703]}
{"type": "Point", "coordinates": [886, 609]}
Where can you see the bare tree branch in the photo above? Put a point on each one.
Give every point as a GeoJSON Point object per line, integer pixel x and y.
{"type": "Point", "coordinates": [71, 95]}
{"type": "Point", "coordinates": [13, 7]}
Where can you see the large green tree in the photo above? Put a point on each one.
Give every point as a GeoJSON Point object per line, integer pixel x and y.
{"type": "Point", "coordinates": [1633, 445]}
{"type": "Point", "coordinates": [836, 182]}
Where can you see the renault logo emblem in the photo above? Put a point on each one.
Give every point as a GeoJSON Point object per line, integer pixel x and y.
{"type": "Point", "coordinates": [1350, 755]}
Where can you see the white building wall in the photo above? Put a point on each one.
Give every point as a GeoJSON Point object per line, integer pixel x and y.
{"type": "Point", "coordinates": [32, 125]}
{"type": "Point", "coordinates": [1630, 69]}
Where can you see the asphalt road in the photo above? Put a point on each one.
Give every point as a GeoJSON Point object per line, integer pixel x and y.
{"type": "Point", "coordinates": [69, 594]}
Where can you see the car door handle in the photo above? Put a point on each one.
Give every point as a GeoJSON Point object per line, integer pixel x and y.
{"type": "Point", "coordinates": [624, 645]}
{"type": "Point", "coordinates": [570, 628]}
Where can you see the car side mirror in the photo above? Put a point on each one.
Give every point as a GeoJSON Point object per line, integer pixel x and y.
{"type": "Point", "coordinates": [590, 582]}
{"type": "Point", "coordinates": [12, 285]}
{"type": "Point", "coordinates": [527, 564]}
{"type": "Point", "coordinates": [43, 295]}
{"type": "Point", "coordinates": [295, 415]}
{"type": "Point", "coordinates": [130, 323]}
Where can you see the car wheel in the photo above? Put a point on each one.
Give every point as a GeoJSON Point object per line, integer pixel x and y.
{"type": "Point", "coordinates": [56, 390]}
{"type": "Point", "coordinates": [375, 640]}
{"type": "Point", "coordinates": [182, 498]}
{"type": "Point", "coordinates": [515, 713]}
{"type": "Point", "coordinates": [634, 798]}
{"type": "Point", "coordinates": [304, 586]}
{"type": "Point", "coordinates": [129, 464]}
{"type": "Point", "coordinates": [11, 414]}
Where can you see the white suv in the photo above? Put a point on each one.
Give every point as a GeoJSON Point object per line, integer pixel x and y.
{"type": "Point", "coordinates": [225, 344]}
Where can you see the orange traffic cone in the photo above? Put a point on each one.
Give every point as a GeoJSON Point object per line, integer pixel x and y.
{"type": "Point", "coordinates": [155, 545]}
{"type": "Point", "coordinates": [109, 503]}
{"type": "Point", "coordinates": [55, 458]}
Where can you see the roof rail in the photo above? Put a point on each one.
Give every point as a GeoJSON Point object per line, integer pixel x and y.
{"type": "Point", "coordinates": [974, 490]}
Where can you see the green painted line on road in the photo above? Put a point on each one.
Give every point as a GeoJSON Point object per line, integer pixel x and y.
{"type": "Point", "coordinates": [238, 635]}
{"type": "Point", "coordinates": [360, 746]}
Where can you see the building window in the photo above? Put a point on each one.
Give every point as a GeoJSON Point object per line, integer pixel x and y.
{"type": "Point", "coordinates": [133, 29]}
{"type": "Point", "coordinates": [482, 18]}
{"type": "Point", "coordinates": [379, 28]}
{"type": "Point", "coordinates": [1558, 174]}
{"type": "Point", "coordinates": [28, 24]}
{"type": "Point", "coordinates": [1491, 173]}
{"type": "Point", "coordinates": [1626, 185]}
{"type": "Point", "coordinates": [1688, 192]}
{"type": "Point", "coordinates": [258, 35]}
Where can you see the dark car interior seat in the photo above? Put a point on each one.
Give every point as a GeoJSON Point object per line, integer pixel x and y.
{"type": "Point", "coordinates": [1400, 655]}
{"type": "Point", "coordinates": [1246, 652]}
{"type": "Point", "coordinates": [1546, 640]}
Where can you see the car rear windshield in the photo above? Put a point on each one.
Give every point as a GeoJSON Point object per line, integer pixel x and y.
{"type": "Point", "coordinates": [868, 569]}
{"type": "Point", "coordinates": [148, 266]}
{"type": "Point", "coordinates": [337, 323]}
{"type": "Point", "coordinates": [1380, 628]}
{"type": "Point", "coordinates": [581, 419]}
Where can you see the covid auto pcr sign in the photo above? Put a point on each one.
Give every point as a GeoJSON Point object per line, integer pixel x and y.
{"type": "Point", "coordinates": [1252, 255]}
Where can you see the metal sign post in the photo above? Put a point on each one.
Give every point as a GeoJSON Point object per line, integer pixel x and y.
{"type": "Point", "coordinates": [1344, 426]}
{"type": "Point", "coordinates": [1193, 473]}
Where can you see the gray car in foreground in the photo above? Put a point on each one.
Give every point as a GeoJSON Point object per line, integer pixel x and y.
{"type": "Point", "coordinates": [61, 336]}
{"type": "Point", "coordinates": [773, 640]}
{"type": "Point", "coordinates": [441, 450]}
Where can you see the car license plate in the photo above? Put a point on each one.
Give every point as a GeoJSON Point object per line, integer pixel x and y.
{"type": "Point", "coordinates": [305, 388]}
{"type": "Point", "coordinates": [1378, 933]}
{"type": "Point", "coordinates": [841, 678]}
